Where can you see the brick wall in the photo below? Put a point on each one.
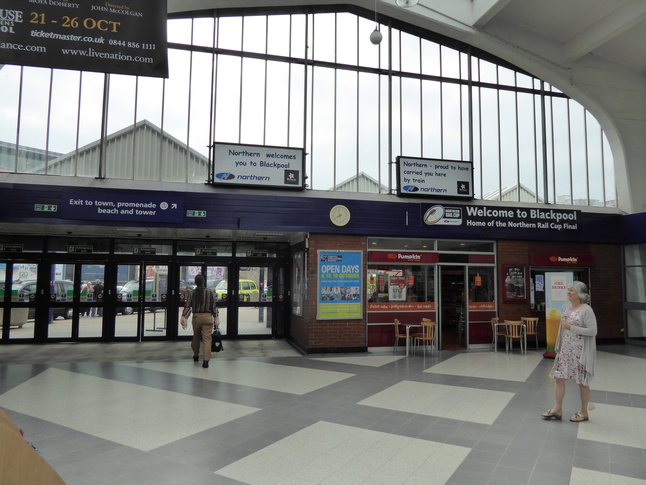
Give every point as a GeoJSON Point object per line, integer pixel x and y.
{"type": "Point", "coordinates": [316, 336]}
{"type": "Point", "coordinates": [606, 290]}
{"type": "Point", "coordinates": [605, 282]}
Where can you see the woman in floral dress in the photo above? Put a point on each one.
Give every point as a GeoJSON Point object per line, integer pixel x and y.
{"type": "Point", "coordinates": [575, 351]}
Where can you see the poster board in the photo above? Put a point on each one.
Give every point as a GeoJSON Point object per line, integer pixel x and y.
{"type": "Point", "coordinates": [555, 297]}
{"type": "Point", "coordinates": [515, 281]}
{"type": "Point", "coordinates": [339, 295]}
{"type": "Point", "coordinates": [434, 177]}
{"type": "Point", "coordinates": [92, 35]}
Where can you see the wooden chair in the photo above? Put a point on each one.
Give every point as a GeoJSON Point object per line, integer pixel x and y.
{"type": "Point", "coordinates": [531, 327]}
{"type": "Point", "coordinates": [427, 335]}
{"type": "Point", "coordinates": [499, 330]}
{"type": "Point", "coordinates": [398, 334]}
{"type": "Point", "coordinates": [513, 331]}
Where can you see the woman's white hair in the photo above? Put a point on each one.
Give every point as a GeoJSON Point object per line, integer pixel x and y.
{"type": "Point", "coordinates": [582, 291]}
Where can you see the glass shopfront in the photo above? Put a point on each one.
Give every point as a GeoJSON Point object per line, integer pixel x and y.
{"type": "Point", "coordinates": [450, 282]}
{"type": "Point", "coordinates": [577, 264]}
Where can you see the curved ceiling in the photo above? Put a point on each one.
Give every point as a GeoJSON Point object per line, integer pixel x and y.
{"type": "Point", "coordinates": [612, 29]}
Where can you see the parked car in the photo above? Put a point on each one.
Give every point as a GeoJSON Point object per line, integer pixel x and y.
{"type": "Point", "coordinates": [128, 289]}
{"type": "Point", "coordinates": [185, 287]}
{"type": "Point", "coordinates": [248, 290]}
{"type": "Point", "coordinates": [63, 287]}
{"type": "Point", "coordinates": [127, 292]}
{"type": "Point", "coordinates": [212, 283]}
{"type": "Point", "coordinates": [29, 287]}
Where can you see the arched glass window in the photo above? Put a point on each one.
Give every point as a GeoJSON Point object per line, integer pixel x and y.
{"type": "Point", "coordinates": [312, 81]}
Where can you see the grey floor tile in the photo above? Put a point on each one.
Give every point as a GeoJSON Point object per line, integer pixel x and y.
{"type": "Point", "coordinates": [518, 448]}
{"type": "Point", "coordinates": [540, 478]}
{"type": "Point", "coordinates": [462, 477]}
{"type": "Point", "coordinates": [629, 470]}
{"type": "Point", "coordinates": [505, 474]}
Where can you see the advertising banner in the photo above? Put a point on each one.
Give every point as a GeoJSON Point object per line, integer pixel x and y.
{"type": "Point", "coordinates": [505, 218]}
{"type": "Point", "coordinates": [126, 37]}
{"type": "Point", "coordinates": [555, 297]}
{"type": "Point", "coordinates": [339, 285]}
{"type": "Point", "coordinates": [258, 166]}
{"type": "Point", "coordinates": [123, 207]}
{"type": "Point", "coordinates": [431, 177]}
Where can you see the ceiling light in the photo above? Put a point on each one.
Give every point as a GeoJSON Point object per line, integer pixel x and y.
{"type": "Point", "coordinates": [375, 36]}
{"type": "Point", "coordinates": [407, 3]}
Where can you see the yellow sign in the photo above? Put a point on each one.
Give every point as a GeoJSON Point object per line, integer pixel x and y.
{"type": "Point", "coordinates": [555, 298]}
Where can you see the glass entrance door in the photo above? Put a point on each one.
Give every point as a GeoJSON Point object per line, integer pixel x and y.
{"type": "Point", "coordinates": [142, 300]}
{"type": "Point", "coordinates": [250, 298]}
{"type": "Point", "coordinates": [214, 275]}
{"type": "Point", "coordinates": [254, 296]}
{"type": "Point", "coordinates": [453, 332]}
{"type": "Point", "coordinates": [18, 293]}
{"type": "Point", "coordinates": [75, 300]}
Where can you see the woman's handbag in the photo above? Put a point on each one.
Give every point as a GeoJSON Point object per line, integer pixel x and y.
{"type": "Point", "coordinates": [216, 341]}
{"type": "Point", "coordinates": [554, 366]}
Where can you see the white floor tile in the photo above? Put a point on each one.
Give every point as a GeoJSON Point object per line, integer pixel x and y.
{"type": "Point", "coordinates": [489, 365]}
{"type": "Point", "coordinates": [463, 403]}
{"type": "Point", "coordinates": [272, 377]}
{"type": "Point", "coordinates": [375, 458]}
{"type": "Point", "coordinates": [590, 477]}
{"type": "Point", "coordinates": [619, 373]}
{"type": "Point", "coordinates": [365, 360]}
{"type": "Point", "coordinates": [137, 417]}
{"type": "Point", "coordinates": [133, 415]}
{"type": "Point", "coordinates": [618, 425]}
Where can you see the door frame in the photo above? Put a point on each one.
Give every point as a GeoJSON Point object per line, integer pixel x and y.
{"type": "Point", "coordinates": [463, 309]}
{"type": "Point", "coordinates": [111, 261]}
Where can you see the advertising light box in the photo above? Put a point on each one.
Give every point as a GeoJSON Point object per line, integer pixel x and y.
{"type": "Point", "coordinates": [258, 166]}
{"type": "Point", "coordinates": [431, 177]}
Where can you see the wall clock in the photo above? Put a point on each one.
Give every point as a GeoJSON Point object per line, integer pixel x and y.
{"type": "Point", "coordinates": [339, 215]}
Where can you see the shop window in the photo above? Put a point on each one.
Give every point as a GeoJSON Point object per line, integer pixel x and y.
{"type": "Point", "coordinates": [538, 280]}
{"type": "Point", "coordinates": [400, 284]}
{"type": "Point", "coordinates": [482, 294]}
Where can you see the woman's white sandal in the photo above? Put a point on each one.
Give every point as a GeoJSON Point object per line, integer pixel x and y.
{"type": "Point", "coordinates": [578, 418]}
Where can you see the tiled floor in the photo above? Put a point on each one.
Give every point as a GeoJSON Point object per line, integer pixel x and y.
{"type": "Point", "coordinates": [264, 414]}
